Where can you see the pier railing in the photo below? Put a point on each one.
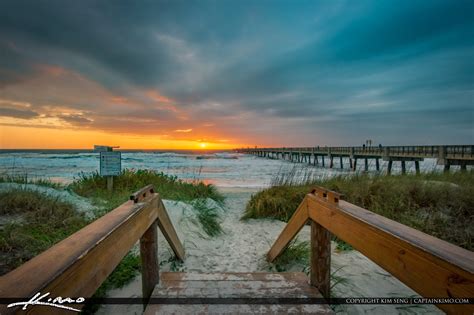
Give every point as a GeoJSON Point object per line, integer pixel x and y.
{"type": "Point", "coordinates": [77, 266]}
{"type": "Point", "coordinates": [426, 151]}
{"type": "Point", "coordinates": [430, 266]}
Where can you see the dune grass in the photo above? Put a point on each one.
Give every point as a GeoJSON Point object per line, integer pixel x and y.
{"type": "Point", "coordinates": [25, 179]}
{"type": "Point", "coordinates": [296, 253]}
{"type": "Point", "coordinates": [170, 187]}
{"type": "Point", "coordinates": [208, 216]}
{"type": "Point", "coordinates": [439, 204]}
{"type": "Point", "coordinates": [38, 222]}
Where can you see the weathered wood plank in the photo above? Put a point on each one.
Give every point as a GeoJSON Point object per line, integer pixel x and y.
{"type": "Point", "coordinates": [149, 257]}
{"type": "Point", "coordinates": [320, 258]}
{"type": "Point", "coordinates": [183, 286]}
{"type": "Point", "coordinates": [272, 309]}
{"type": "Point", "coordinates": [231, 276]}
{"type": "Point", "coordinates": [295, 224]}
{"type": "Point", "coordinates": [142, 193]}
{"type": "Point", "coordinates": [430, 266]}
{"type": "Point", "coordinates": [169, 232]}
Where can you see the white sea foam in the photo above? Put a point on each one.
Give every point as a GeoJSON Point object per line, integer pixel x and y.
{"type": "Point", "coordinates": [220, 169]}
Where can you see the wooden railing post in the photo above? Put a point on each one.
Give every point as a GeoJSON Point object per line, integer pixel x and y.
{"type": "Point", "coordinates": [149, 257]}
{"type": "Point", "coordinates": [148, 248]}
{"type": "Point", "coordinates": [320, 274]}
{"type": "Point", "coordinates": [320, 259]}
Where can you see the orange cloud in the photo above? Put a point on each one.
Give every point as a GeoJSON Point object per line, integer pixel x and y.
{"type": "Point", "coordinates": [157, 97]}
{"type": "Point", "coordinates": [183, 130]}
{"type": "Point", "coordinates": [51, 70]}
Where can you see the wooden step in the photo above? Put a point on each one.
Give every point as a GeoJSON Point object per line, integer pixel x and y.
{"type": "Point", "coordinates": [235, 293]}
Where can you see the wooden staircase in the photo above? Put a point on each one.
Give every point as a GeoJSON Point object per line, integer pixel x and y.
{"type": "Point", "coordinates": [77, 266]}
{"type": "Point", "coordinates": [235, 293]}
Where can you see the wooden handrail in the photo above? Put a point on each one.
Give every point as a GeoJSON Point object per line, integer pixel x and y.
{"type": "Point", "coordinates": [430, 266]}
{"type": "Point", "coordinates": [77, 266]}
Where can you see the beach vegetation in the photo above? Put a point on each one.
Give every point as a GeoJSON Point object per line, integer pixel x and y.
{"type": "Point", "coordinates": [25, 179]}
{"type": "Point", "coordinates": [130, 180]}
{"type": "Point", "coordinates": [297, 253]}
{"type": "Point", "coordinates": [208, 217]}
{"type": "Point", "coordinates": [439, 204]}
{"type": "Point", "coordinates": [36, 221]}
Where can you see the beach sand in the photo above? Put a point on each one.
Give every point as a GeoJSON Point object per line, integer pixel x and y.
{"type": "Point", "coordinates": [242, 248]}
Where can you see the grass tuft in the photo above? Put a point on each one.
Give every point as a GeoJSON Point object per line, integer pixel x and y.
{"type": "Point", "coordinates": [208, 216]}
{"type": "Point", "coordinates": [297, 253]}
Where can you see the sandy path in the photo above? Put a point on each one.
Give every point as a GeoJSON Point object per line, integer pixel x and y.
{"type": "Point", "coordinates": [242, 248]}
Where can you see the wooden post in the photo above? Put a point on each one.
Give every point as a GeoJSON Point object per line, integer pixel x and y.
{"type": "Point", "coordinates": [463, 166]}
{"type": "Point", "coordinates": [322, 159]}
{"type": "Point", "coordinates": [377, 165]}
{"type": "Point", "coordinates": [389, 167]}
{"type": "Point", "coordinates": [366, 164]}
{"type": "Point", "coordinates": [149, 257]}
{"type": "Point", "coordinates": [404, 169]}
{"type": "Point", "coordinates": [320, 258]}
{"type": "Point", "coordinates": [331, 162]}
{"type": "Point", "coordinates": [340, 160]}
{"type": "Point", "coordinates": [110, 183]}
{"type": "Point", "coordinates": [354, 166]}
{"type": "Point", "coordinates": [446, 167]}
{"type": "Point", "coordinates": [417, 167]}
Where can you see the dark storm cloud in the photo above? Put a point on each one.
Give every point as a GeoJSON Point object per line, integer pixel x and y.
{"type": "Point", "coordinates": [18, 113]}
{"type": "Point", "coordinates": [317, 64]}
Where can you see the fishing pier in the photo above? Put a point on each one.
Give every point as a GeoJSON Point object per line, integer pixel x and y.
{"type": "Point", "coordinates": [446, 155]}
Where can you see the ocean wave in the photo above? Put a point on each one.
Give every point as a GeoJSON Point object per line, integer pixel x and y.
{"type": "Point", "coordinates": [72, 156]}
{"type": "Point", "coordinates": [216, 156]}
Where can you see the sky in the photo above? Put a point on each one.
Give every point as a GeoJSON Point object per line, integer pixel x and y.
{"type": "Point", "coordinates": [225, 74]}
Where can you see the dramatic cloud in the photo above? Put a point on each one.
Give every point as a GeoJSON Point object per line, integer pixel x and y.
{"type": "Point", "coordinates": [18, 113]}
{"type": "Point", "coordinates": [255, 72]}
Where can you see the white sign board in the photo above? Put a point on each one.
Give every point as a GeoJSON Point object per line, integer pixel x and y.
{"type": "Point", "coordinates": [110, 163]}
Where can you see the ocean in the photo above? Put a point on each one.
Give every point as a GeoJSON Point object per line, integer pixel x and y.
{"type": "Point", "coordinates": [220, 168]}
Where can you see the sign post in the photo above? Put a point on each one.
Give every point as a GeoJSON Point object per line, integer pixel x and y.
{"type": "Point", "coordinates": [110, 164]}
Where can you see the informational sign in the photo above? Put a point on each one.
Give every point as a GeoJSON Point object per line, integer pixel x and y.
{"type": "Point", "coordinates": [110, 163]}
{"type": "Point", "coordinates": [102, 148]}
